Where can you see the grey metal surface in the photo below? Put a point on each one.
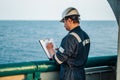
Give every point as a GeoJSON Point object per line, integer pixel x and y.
{"type": "Point", "coordinates": [115, 5]}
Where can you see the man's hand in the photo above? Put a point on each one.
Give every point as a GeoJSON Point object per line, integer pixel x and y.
{"type": "Point", "coordinates": [50, 49]}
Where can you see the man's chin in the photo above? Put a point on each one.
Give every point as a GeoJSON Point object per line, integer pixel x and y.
{"type": "Point", "coordinates": [67, 29]}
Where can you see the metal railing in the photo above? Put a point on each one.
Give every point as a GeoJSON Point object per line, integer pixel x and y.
{"type": "Point", "coordinates": [32, 70]}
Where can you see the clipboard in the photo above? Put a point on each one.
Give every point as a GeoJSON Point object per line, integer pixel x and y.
{"type": "Point", "coordinates": [43, 43]}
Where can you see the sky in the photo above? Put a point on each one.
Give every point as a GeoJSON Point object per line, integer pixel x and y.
{"type": "Point", "coordinates": [52, 9]}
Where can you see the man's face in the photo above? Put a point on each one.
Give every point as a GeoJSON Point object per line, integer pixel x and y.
{"type": "Point", "coordinates": [67, 24]}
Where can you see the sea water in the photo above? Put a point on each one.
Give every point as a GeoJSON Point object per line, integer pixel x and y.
{"type": "Point", "coordinates": [19, 40]}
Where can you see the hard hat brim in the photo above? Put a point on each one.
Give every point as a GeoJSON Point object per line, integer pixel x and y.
{"type": "Point", "coordinates": [62, 20]}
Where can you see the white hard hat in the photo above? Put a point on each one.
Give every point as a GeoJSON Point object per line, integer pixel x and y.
{"type": "Point", "coordinates": [69, 12]}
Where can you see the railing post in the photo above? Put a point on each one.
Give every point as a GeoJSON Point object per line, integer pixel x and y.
{"type": "Point", "coordinates": [29, 77]}
{"type": "Point", "coordinates": [37, 76]}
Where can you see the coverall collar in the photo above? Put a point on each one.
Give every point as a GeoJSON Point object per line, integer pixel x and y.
{"type": "Point", "coordinates": [76, 28]}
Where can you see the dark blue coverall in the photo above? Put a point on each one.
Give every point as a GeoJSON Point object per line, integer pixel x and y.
{"type": "Point", "coordinates": [73, 54]}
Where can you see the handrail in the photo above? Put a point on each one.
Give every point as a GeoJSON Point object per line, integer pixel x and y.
{"type": "Point", "coordinates": [48, 66]}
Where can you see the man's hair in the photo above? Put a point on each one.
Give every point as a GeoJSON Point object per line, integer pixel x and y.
{"type": "Point", "coordinates": [74, 18]}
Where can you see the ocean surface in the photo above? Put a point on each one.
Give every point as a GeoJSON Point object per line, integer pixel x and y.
{"type": "Point", "coordinates": [19, 40]}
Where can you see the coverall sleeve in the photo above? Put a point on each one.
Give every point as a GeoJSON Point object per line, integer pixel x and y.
{"type": "Point", "coordinates": [66, 49]}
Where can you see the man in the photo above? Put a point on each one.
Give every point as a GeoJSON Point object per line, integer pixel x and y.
{"type": "Point", "coordinates": [73, 51]}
